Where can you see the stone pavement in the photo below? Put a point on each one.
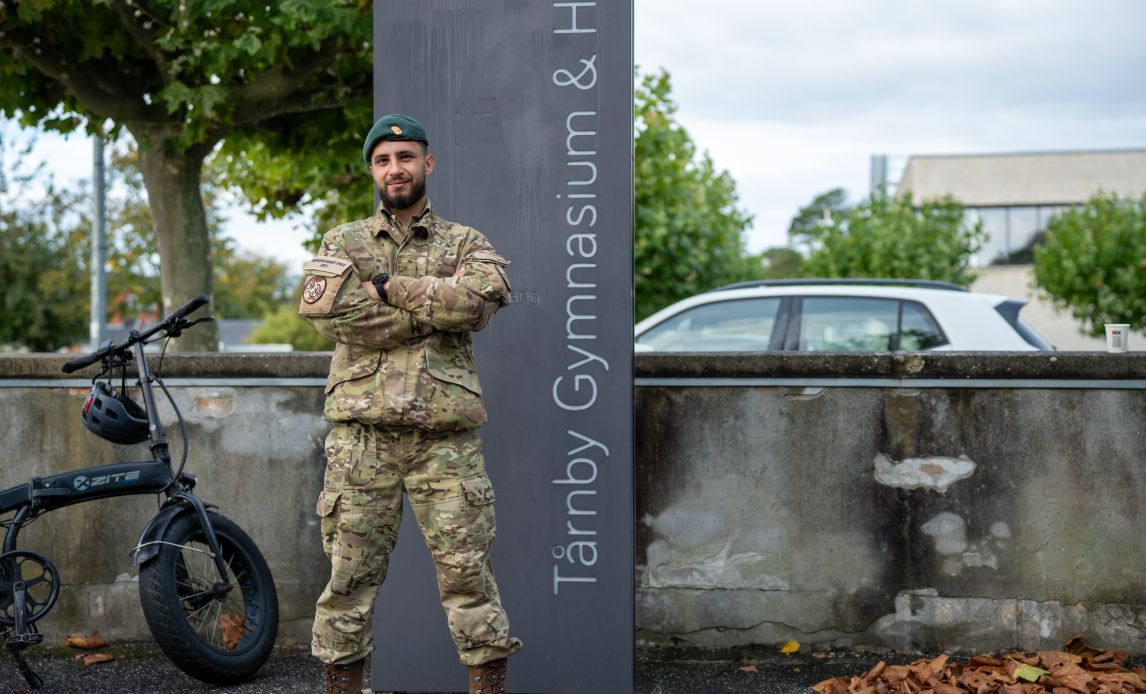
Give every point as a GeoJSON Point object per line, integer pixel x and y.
{"type": "Point", "coordinates": [142, 669]}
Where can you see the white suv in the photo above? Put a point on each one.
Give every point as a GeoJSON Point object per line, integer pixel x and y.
{"type": "Point", "coordinates": [839, 316]}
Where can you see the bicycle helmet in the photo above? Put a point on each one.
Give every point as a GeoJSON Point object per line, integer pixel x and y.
{"type": "Point", "coordinates": [112, 415]}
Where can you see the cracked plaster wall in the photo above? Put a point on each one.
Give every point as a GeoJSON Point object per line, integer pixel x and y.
{"type": "Point", "coordinates": [258, 454]}
{"type": "Point", "coordinates": [959, 519]}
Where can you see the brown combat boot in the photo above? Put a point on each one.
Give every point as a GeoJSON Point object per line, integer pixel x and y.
{"type": "Point", "coordinates": [345, 678]}
{"type": "Point", "coordinates": [488, 678]}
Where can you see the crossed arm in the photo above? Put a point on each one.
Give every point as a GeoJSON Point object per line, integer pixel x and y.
{"type": "Point", "coordinates": [414, 306]}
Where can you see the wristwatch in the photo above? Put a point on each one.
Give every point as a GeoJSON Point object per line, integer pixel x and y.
{"type": "Point", "coordinates": [379, 283]}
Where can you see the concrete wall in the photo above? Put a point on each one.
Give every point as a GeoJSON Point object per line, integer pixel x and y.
{"type": "Point", "coordinates": [256, 446]}
{"type": "Point", "coordinates": [956, 501]}
{"type": "Point", "coordinates": [962, 502]}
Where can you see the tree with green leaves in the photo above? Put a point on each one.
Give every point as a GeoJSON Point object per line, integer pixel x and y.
{"type": "Point", "coordinates": [41, 263]}
{"type": "Point", "coordinates": [1093, 262]}
{"type": "Point", "coordinates": [285, 326]}
{"type": "Point", "coordinates": [826, 206]}
{"type": "Point", "coordinates": [45, 251]}
{"type": "Point", "coordinates": [779, 263]}
{"type": "Point", "coordinates": [895, 237]}
{"type": "Point", "coordinates": [689, 230]}
{"type": "Point", "coordinates": [281, 89]}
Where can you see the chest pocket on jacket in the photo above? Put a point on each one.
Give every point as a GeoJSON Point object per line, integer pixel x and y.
{"type": "Point", "coordinates": [324, 277]}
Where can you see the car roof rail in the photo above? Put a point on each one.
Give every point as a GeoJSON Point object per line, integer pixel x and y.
{"type": "Point", "coordinates": [853, 281]}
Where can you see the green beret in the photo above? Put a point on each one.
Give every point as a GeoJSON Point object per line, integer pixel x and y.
{"type": "Point", "coordinates": [393, 127]}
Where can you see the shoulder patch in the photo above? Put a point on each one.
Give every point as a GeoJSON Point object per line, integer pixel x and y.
{"type": "Point", "coordinates": [326, 265]}
{"type": "Point", "coordinates": [486, 257]}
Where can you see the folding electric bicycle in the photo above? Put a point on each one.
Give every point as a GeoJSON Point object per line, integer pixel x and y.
{"type": "Point", "coordinates": [207, 594]}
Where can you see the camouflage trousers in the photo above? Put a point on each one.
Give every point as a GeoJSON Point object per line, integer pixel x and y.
{"type": "Point", "coordinates": [360, 506]}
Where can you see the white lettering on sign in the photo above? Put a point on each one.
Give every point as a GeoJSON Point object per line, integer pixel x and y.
{"type": "Point", "coordinates": [579, 547]}
{"type": "Point", "coordinates": [570, 16]}
{"type": "Point", "coordinates": [576, 390]}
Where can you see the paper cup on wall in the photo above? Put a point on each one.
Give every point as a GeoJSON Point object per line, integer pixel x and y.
{"type": "Point", "coordinates": [1117, 335]}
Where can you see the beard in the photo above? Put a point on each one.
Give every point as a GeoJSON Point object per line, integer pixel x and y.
{"type": "Point", "coordinates": [402, 201]}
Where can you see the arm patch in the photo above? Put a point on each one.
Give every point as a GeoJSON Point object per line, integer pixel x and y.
{"type": "Point", "coordinates": [326, 265]}
{"type": "Point", "coordinates": [324, 277]}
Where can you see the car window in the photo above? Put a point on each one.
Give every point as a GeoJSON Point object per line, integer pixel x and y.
{"type": "Point", "coordinates": [919, 330]}
{"type": "Point", "coordinates": [742, 325]}
{"type": "Point", "coordinates": [847, 324]}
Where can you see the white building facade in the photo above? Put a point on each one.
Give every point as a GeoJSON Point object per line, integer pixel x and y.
{"type": "Point", "coordinates": [1015, 196]}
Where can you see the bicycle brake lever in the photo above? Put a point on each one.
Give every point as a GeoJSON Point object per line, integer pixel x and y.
{"type": "Point", "coordinates": [182, 324]}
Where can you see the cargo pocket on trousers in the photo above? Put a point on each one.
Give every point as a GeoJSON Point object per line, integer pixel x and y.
{"type": "Point", "coordinates": [480, 521]}
{"type": "Point", "coordinates": [347, 463]}
{"type": "Point", "coordinates": [327, 510]}
{"type": "Point", "coordinates": [327, 503]}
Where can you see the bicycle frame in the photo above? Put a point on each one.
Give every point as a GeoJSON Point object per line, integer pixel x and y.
{"type": "Point", "coordinates": [29, 596]}
{"type": "Point", "coordinates": [43, 494]}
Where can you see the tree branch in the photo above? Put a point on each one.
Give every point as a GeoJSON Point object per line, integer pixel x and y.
{"type": "Point", "coordinates": [269, 88]}
{"type": "Point", "coordinates": [100, 93]}
{"type": "Point", "coordinates": [145, 37]}
{"type": "Point", "coordinates": [296, 103]}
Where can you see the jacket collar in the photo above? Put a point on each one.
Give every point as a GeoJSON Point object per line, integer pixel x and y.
{"type": "Point", "coordinates": [384, 221]}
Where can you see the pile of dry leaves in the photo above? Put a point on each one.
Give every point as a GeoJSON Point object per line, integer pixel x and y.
{"type": "Point", "coordinates": [91, 642]}
{"type": "Point", "coordinates": [1078, 668]}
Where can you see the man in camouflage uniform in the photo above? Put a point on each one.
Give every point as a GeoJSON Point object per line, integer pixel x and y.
{"type": "Point", "coordinates": [400, 293]}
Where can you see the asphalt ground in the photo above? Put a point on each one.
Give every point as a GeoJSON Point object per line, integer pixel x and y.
{"type": "Point", "coordinates": [142, 669]}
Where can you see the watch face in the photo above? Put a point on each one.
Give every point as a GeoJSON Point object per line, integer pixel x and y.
{"type": "Point", "coordinates": [378, 283]}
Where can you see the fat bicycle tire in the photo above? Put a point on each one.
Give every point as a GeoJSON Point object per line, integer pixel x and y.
{"type": "Point", "coordinates": [216, 638]}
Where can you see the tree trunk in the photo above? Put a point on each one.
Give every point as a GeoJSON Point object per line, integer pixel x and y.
{"type": "Point", "coordinates": [176, 201]}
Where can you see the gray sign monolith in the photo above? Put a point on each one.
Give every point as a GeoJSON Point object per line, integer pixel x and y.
{"type": "Point", "coordinates": [528, 108]}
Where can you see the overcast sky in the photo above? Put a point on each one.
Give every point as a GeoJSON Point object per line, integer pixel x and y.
{"type": "Point", "coordinates": [793, 98]}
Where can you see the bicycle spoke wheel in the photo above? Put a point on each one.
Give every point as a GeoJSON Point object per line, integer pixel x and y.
{"type": "Point", "coordinates": [41, 585]}
{"type": "Point", "coordinates": [214, 630]}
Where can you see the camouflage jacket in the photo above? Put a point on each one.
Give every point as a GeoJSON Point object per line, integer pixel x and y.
{"type": "Point", "coordinates": [406, 361]}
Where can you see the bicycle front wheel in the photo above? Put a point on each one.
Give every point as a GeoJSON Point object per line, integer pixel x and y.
{"type": "Point", "coordinates": [215, 633]}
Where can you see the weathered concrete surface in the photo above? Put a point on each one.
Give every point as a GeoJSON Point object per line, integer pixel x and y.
{"type": "Point", "coordinates": [914, 518]}
{"type": "Point", "coordinates": [908, 517]}
{"type": "Point", "coordinates": [950, 365]}
{"type": "Point", "coordinates": [256, 450]}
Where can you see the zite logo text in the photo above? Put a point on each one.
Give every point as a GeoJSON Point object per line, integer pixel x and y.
{"type": "Point", "coordinates": [83, 483]}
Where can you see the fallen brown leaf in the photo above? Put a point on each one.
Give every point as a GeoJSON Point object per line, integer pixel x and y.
{"type": "Point", "coordinates": [1077, 669]}
{"type": "Point", "coordinates": [748, 668]}
{"type": "Point", "coordinates": [93, 658]}
{"type": "Point", "coordinates": [1077, 647]}
{"type": "Point", "coordinates": [89, 642]}
{"type": "Point", "coordinates": [232, 626]}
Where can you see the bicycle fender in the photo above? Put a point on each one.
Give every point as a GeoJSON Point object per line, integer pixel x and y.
{"type": "Point", "coordinates": [148, 545]}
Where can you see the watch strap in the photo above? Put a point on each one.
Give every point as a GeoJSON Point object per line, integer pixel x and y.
{"type": "Point", "coordinates": [379, 283]}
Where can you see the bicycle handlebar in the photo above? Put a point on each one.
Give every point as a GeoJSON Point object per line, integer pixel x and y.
{"type": "Point", "coordinates": [188, 307]}
{"type": "Point", "coordinates": [165, 324]}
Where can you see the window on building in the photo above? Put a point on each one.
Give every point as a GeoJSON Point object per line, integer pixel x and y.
{"type": "Point", "coordinates": [994, 246]}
